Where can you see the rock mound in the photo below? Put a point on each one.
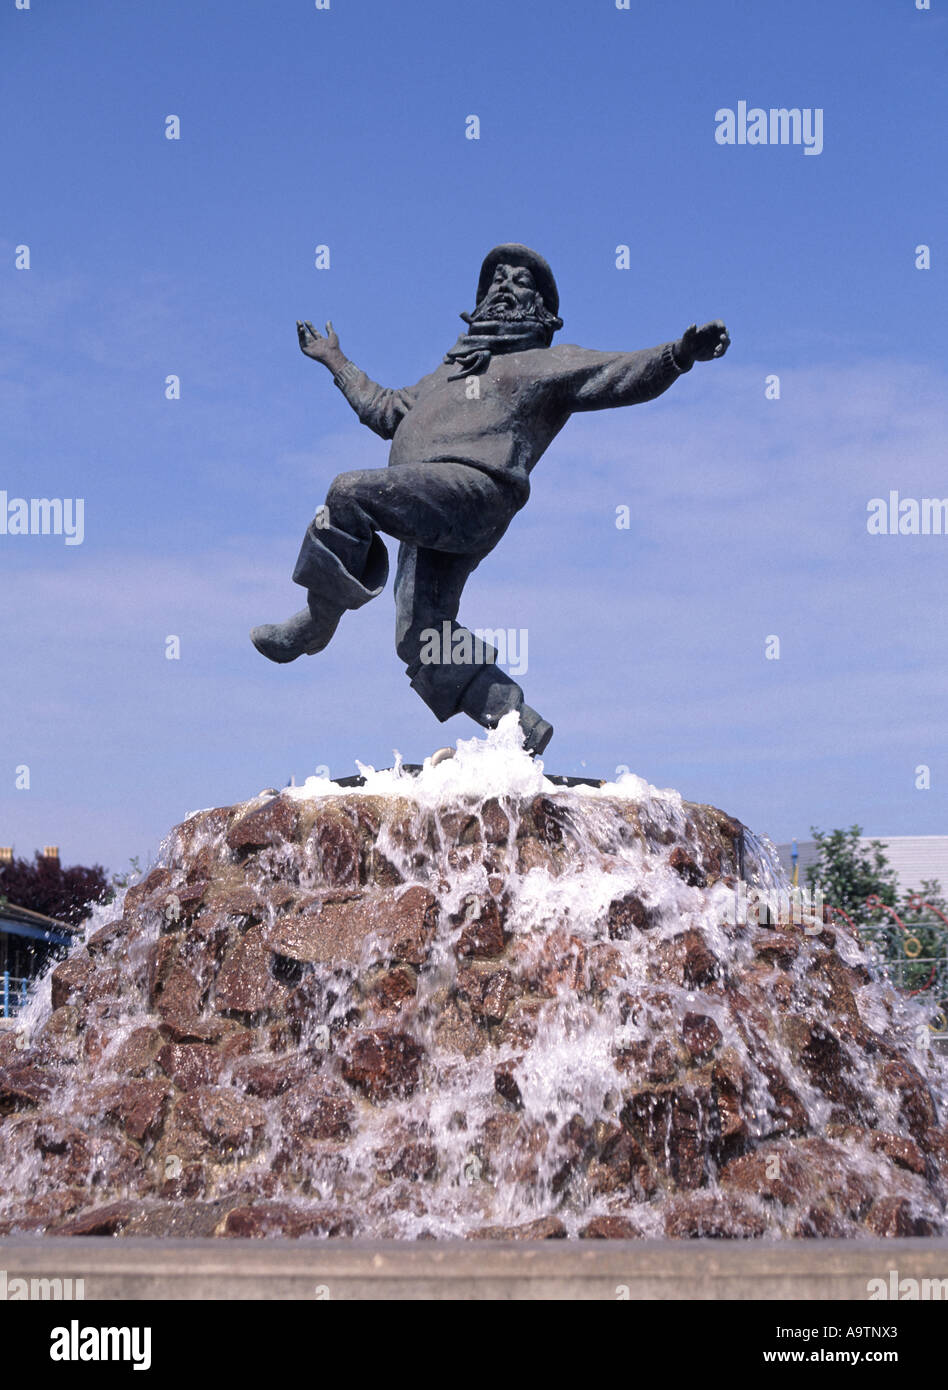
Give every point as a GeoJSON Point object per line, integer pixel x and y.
{"type": "Point", "coordinates": [428, 1011]}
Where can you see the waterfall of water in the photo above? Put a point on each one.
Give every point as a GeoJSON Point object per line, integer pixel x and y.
{"type": "Point", "coordinates": [469, 1003]}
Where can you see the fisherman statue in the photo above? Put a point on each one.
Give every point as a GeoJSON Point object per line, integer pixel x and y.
{"type": "Point", "coordinates": [464, 441]}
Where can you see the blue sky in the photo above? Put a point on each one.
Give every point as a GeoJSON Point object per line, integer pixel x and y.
{"type": "Point", "coordinates": [346, 127]}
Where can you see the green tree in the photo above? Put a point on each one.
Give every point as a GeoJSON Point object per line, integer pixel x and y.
{"type": "Point", "coordinates": [849, 872]}
{"type": "Point", "coordinates": [930, 892]}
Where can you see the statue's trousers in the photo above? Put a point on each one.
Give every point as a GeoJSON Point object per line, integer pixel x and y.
{"type": "Point", "coordinates": [447, 516]}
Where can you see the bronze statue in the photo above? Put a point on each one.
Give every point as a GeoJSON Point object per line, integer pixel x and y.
{"type": "Point", "coordinates": [464, 441]}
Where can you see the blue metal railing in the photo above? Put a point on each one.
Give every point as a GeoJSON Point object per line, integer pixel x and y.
{"type": "Point", "coordinates": [13, 994]}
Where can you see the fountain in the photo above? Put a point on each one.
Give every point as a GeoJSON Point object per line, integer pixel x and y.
{"type": "Point", "coordinates": [468, 1003]}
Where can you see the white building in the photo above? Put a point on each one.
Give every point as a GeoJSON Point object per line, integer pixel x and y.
{"type": "Point", "coordinates": [913, 857]}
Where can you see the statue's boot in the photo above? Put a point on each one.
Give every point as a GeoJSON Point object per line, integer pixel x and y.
{"type": "Point", "coordinates": [331, 589]}
{"type": "Point", "coordinates": [537, 731]}
{"type": "Point", "coordinates": [307, 632]}
{"type": "Point", "coordinates": [492, 694]}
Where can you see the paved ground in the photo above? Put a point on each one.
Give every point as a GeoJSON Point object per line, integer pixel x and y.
{"type": "Point", "coordinates": [279, 1269]}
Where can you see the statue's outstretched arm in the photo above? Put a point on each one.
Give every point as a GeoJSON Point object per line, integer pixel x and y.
{"type": "Point", "coordinates": [376, 406]}
{"type": "Point", "coordinates": [602, 380]}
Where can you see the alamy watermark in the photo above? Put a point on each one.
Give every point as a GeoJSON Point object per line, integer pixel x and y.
{"type": "Point", "coordinates": [898, 1290]}
{"type": "Point", "coordinates": [43, 516]}
{"type": "Point", "coordinates": [78, 1343]}
{"type": "Point", "coordinates": [488, 646]}
{"type": "Point", "coordinates": [39, 1290]}
{"type": "Point", "coordinates": [778, 908]}
{"type": "Point", "coordinates": [907, 516]}
{"type": "Point", "coordinates": [779, 125]}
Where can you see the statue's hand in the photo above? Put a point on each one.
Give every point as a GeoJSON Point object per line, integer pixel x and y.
{"type": "Point", "coordinates": [703, 344]}
{"type": "Point", "coordinates": [314, 345]}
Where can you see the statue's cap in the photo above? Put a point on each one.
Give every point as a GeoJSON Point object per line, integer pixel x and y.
{"type": "Point", "coordinates": [512, 253]}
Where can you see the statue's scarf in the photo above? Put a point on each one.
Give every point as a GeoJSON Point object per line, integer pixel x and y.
{"type": "Point", "coordinates": [472, 351]}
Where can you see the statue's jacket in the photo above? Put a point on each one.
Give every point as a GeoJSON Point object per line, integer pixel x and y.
{"type": "Point", "coordinates": [502, 421]}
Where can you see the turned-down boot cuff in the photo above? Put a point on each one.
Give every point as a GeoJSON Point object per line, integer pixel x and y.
{"type": "Point", "coordinates": [319, 570]}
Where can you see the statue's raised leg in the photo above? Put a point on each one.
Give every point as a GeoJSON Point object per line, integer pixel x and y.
{"type": "Point", "coordinates": [447, 517]}
{"type": "Point", "coordinates": [343, 563]}
{"type": "Point", "coordinates": [331, 589]}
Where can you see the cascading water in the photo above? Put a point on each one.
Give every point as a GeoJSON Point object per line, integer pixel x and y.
{"type": "Point", "coordinates": [468, 1003]}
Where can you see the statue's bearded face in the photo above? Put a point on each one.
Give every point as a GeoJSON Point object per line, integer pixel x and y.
{"type": "Point", "coordinates": [511, 297]}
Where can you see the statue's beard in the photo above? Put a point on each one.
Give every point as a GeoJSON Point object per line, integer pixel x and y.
{"type": "Point", "coordinates": [499, 325]}
{"type": "Point", "coordinates": [499, 309]}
